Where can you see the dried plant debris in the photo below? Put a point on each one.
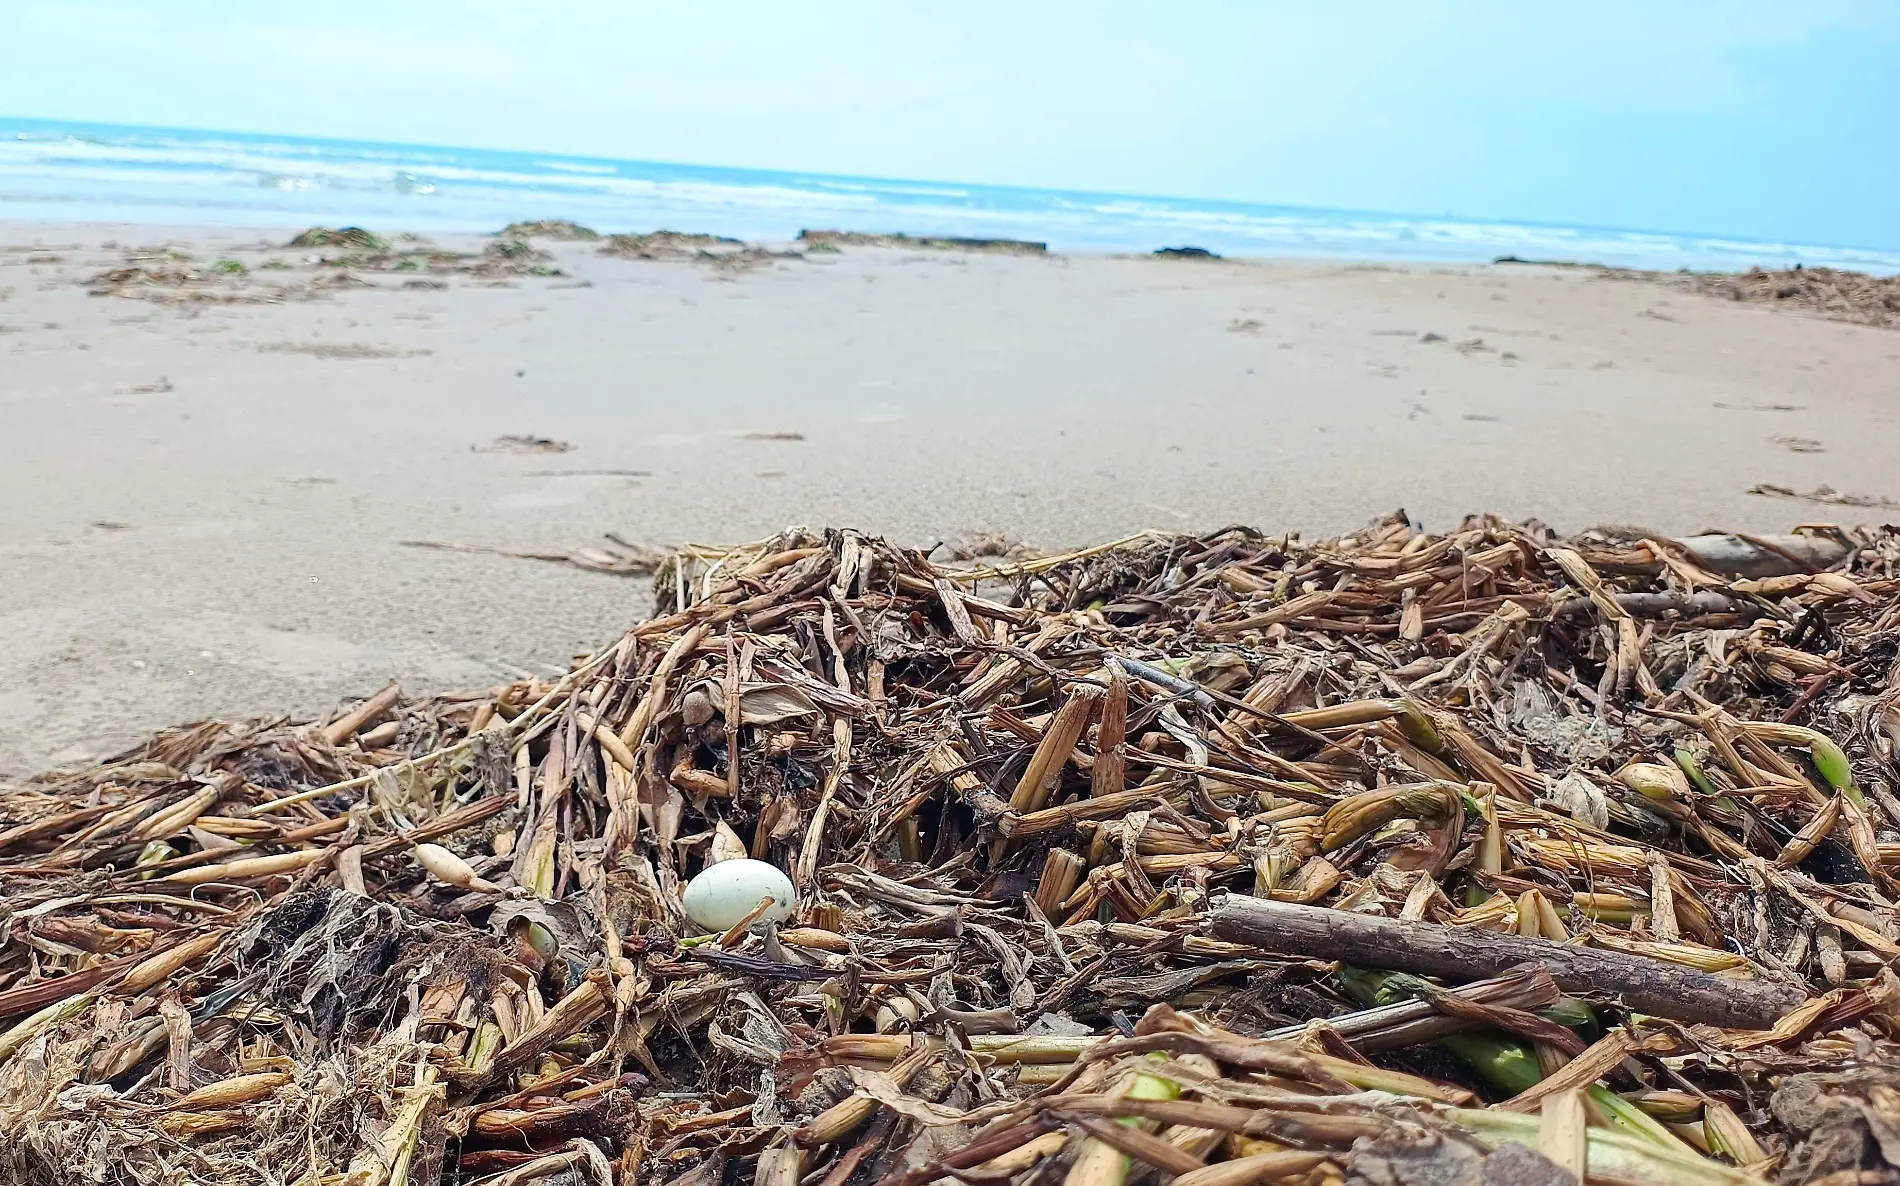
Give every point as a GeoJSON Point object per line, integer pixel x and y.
{"type": "Point", "coordinates": [178, 283]}
{"type": "Point", "coordinates": [332, 259]}
{"type": "Point", "coordinates": [1794, 444]}
{"type": "Point", "coordinates": [978, 545]}
{"type": "Point", "coordinates": [725, 256]}
{"type": "Point", "coordinates": [814, 239]}
{"type": "Point", "coordinates": [514, 257]}
{"type": "Point", "coordinates": [587, 473]}
{"type": "Point", "coordinates": [1835, 294]}
{"type": "Point", "coordinates": [618, 557]}
{"type": "Point", "coordinates": [1832, 293]}
{"type": "Point", "coordinates": [1825, 495]}
{"type": "Point", "coordinates": [522, 442]}
{"type": "Point", "coordinates": [665, 244]}
{"type": "Point", "coordinates": [354, 238]}
{"type": "Point", "coordinates": [1233, 858]}
{"type": "Point", "coordinates": [548, 228]}
{"type": "Point", "coordinates": [341, 350]}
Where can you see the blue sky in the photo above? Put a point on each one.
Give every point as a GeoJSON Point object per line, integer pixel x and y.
{"type": "Point", "coordinates": [1765, 120]}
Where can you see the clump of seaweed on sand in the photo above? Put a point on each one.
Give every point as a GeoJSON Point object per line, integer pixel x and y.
{"type": "Point", "coordinates": [1223, 859]}
{"type": "Point", "coordinates": [334, 259]}
{"type": "Point", "coordinates": [664, 244]}
{"type": "Point", "coordinates": [1833, 293]}
{"type": "Point", "coordinates": [814, 239]}
{"type": "Point", "coordinates": [549, 228]}
{"type": "Point", "coordinates": [514, 257]}
{"type": "Point", "coordinates": [352, 238]}
{"type": "Point", "coordinates": [725, 256]}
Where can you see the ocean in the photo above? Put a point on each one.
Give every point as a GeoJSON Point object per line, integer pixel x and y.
{"type": "Point", "coordinates": [90, 172]}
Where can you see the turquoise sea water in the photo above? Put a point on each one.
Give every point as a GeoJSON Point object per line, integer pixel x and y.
{"type": "Point", "coordinates": [91, 172]}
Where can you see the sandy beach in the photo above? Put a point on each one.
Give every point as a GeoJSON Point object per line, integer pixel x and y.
{"type": "Point", "coordinates": [207, 497]}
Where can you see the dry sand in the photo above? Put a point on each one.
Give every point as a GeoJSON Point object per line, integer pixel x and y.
{"type": "Point", "coordinates": [205, 500]}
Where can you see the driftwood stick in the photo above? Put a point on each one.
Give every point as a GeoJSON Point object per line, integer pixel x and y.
{"type": "Point", "coordinates": [1655, 605]}
{"type": "Point", "coordinates": [1647, 986]}
{"type": "Point", "coordinates": [1765, 555]}
{"type": "Point", "coordinates": [347, 726]}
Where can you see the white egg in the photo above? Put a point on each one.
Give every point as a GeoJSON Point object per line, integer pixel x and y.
{"type": "Point", "coordinates": [725, 893]}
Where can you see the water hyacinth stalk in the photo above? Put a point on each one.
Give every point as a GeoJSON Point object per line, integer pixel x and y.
{"type": "Point", "coordinates": [157, 968]}
{"type": "Point", "coordinates": [1563, 1134]}
{"type": "Point", "coordinates": [276, 864]}
{"type": "Point", "coordinates": [1624, 1116]}
{"type": "Point", "coordinates": [1828, 757]}
{"type": "Point", "coordinates": [399, 1140]}
{"type": "Point", "coordinates": [1058, 742]}
{"type": "Point", "coordinates": [1654, 780]}
{"type": "Point", "coordinates": [534, 868]}
{"type": "Point", "coordinates": [1832, 762]}
{"type": "Point", "coordinates": [1670, 1107]}
{"type": "Point", "coordinates": [1419, 728]}
{"type": "Point", "coordinates": [780, 1165]}
{"type": "Point", "coordinates": [1686, 761]}
{"type": "Point", "coordinates": [1512, 1066]}
{"type": "Point", "coordinates": [1271, 869]}
{"type": "Point", "coordinates": [1258, 1167]}
{"type": "Point", "coordinates": [450, 869]}
{"type": "Point", "coordinates": [1728, 1136]}
{"type": "Point", "coordinates": [1803, 843]}
{"type": "Point", "coordinates": [1689, 955]}
{"type": "Point", "coordinates": [1394, 1082]}
{"type": "Point", "coordinates": [1098, 1163]}
{"type": "Point", "coordinates": [838, 1121]}
{"type": "Point", "coordinates": [1111, 766]}
{"type": "Point", "coordinates": [1490, 847]}
{"type": "Point", "coordinates": [1378, 989]}
{"type": "Point", "coordinates": [1358, 815]}
{"type": "Point", "coordinates": [55, 1013]}
{"type": "Point", "coordinates": [230, 1093]}
{"type": "Point", "coordinates": [1611, 1155]}
{"type": "Point", "coordinates": [173, 819]}
{"type": "Point", "coordinates": [1620, 908]}
{"type": "Point", "coordinates": [482, 1046]}
{"type": "Point", "coordinates": [1508, 1065]}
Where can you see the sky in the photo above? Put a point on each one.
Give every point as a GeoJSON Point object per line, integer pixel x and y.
{"type": "Point", "coordinates": [1763, 120]}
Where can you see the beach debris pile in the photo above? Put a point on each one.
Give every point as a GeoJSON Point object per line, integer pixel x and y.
{"type": "Point", "coordinates": [320, 260]}
{"type": "Point", "coordinates": [664, 244]}
{"type": "Point", "coordinates": [523, 442]}
{"type": "Point", "coordinates": [548, 228]}
{"type": "Point", "coordinates": [1393, 858]}
{"type": "Point", "coordinates": [350, 238]}
{"type": "Point", "coordinates": [823, 240]}
{"type": "Point", "coordinates": [726, 256]}
{"type": "Point", "coordinates": [1832, 293]}
{"type": "Point", "coordinates": [168, 274]}
{"type": "Point", "coordinates": [1824, 494]}
{"type": "Point", "coordinates": [325, 259]}
{"type": "Point", "coordinates": [615, 555]}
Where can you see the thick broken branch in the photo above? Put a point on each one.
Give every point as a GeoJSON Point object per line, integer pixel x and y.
{"type": "Point", "coordinates": [1648, 986]}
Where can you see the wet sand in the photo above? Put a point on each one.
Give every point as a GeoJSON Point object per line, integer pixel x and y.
{"type": "Point", "coordinates": [206, 500]}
